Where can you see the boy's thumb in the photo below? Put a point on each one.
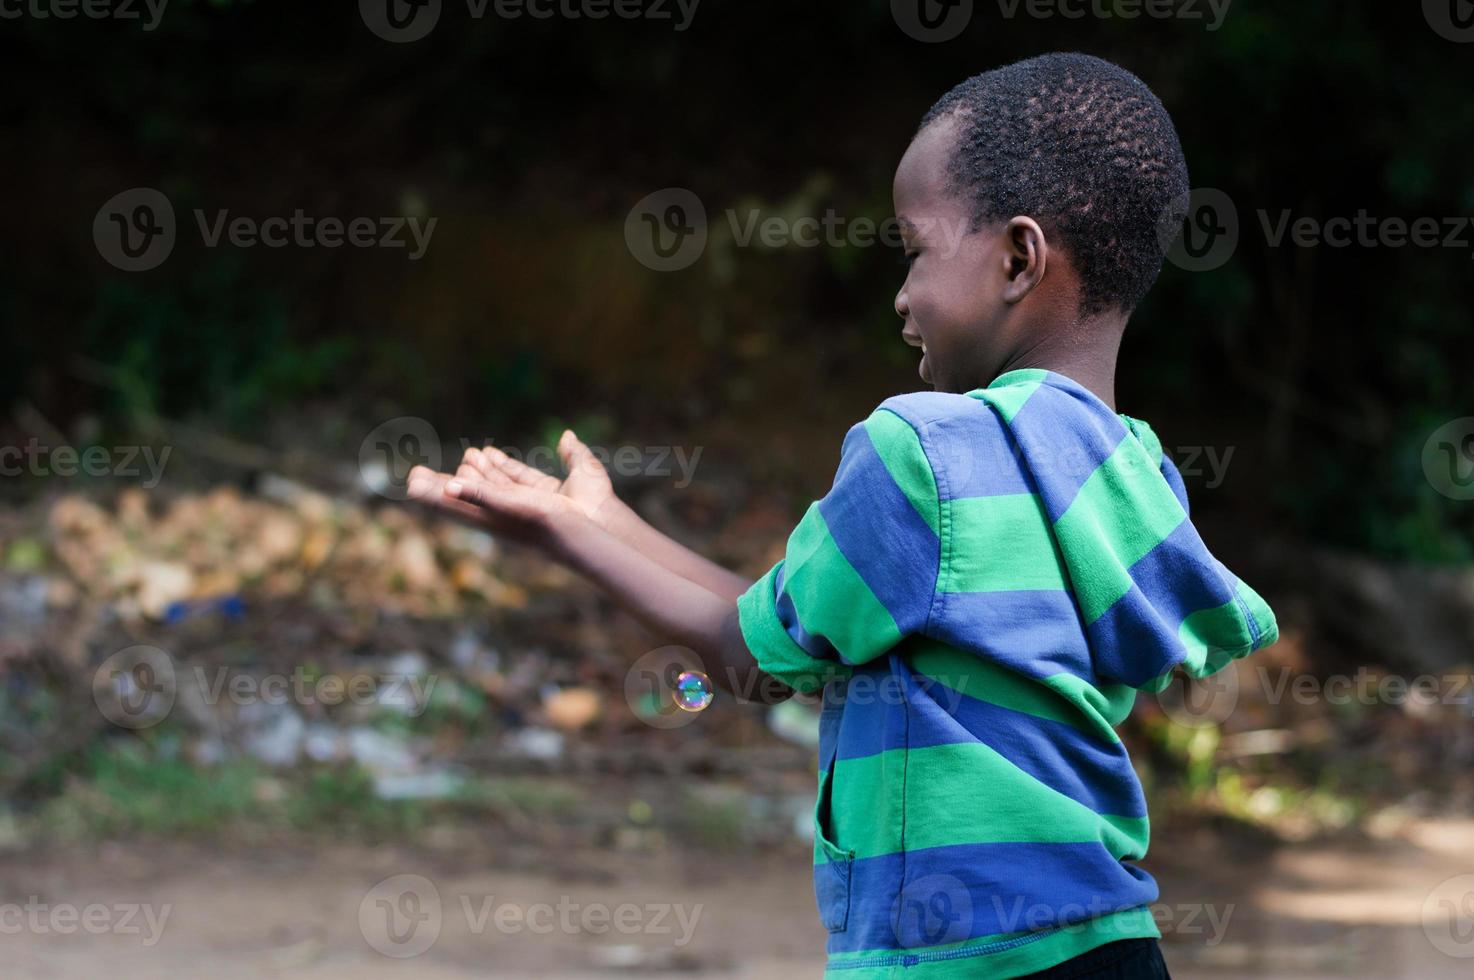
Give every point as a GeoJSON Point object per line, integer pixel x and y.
{"type": "Point", "coordinates": [570, 448]}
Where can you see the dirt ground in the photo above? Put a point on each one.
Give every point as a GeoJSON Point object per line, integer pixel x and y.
{"type": "Point", "coordinates": [1357, 909]}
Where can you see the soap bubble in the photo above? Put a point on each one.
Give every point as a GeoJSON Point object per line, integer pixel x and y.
{"type": "Point", "coordinates": [654, 691]}
{"type": "Point", "coordinates": [693, 690]}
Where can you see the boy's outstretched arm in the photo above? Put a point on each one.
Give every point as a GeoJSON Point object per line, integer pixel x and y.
{"type": "Point", "coordinates": [588, 485]}
{"type": "Point", "coordinates": [677, 609]}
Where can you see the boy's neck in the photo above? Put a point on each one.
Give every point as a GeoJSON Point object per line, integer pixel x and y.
{"type": "Point", "coordinates": [1085, 353]}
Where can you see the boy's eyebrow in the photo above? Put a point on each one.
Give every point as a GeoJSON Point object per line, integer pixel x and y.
{"type": "Point", "coordinates": [907, 228]}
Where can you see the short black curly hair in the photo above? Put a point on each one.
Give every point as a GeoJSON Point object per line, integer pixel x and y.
{"type": "Point", "coordinates": [1086, 149]}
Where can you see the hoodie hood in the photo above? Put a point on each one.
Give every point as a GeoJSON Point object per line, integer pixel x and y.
{"type": "Point", "coordinates": [1151, 596]}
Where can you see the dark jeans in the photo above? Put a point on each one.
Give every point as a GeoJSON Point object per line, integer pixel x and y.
{"type": "Point", "coordinates": [1128, 959]}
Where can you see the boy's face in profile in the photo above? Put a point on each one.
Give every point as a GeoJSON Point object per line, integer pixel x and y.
{"type": "Point", "coordinates": [953, 297]}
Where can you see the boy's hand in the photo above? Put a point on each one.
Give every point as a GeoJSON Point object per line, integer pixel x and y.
{"type": "Point", "coordinates": [493, 491]}
{"type": "Point", "coordinates": [587, 484]}
{"type": "Point", "coordinates": [677, 593]}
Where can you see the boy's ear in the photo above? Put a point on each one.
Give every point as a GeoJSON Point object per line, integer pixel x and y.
{"type": "Point", "coordinates": [1026, 253]}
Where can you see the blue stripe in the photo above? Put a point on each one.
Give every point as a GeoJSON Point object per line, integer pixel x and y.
{"type": "Point", "coordinates": [902, 710]}
{"type": "Point", "coordinates": [976, 456]}
{"type": "Point", "coordinates": [966, 891]}
{"type": "Point", "coordinates": [894, 551]}
{"type": "Point", "coordinates": [1033, 632]}
{"type": "Point", "coordinates": [815, 646]}
{"type": "Point", "coordinates": [1065, 433]}
{"type": "Point", "coordinates": [874, 700]}
{"type": "Point", "coordinates": [1088, 770]}
{"type": "Point", "coordinates": [1136, 639]}
{"type": "Point", "coordinates": [1174, 480]}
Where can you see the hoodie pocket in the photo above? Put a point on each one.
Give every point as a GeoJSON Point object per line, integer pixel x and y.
{"type": "Point", "coordinates": [832, 878]}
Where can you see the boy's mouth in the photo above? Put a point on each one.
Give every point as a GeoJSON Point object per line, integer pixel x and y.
{"type": "Point", "coordinates": [924, 368]}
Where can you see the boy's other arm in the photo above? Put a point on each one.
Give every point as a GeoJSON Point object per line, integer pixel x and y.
{"type": "Point", "coordinates": [589, 486]}
{"type": "Point", "coordinates": [677, 609]}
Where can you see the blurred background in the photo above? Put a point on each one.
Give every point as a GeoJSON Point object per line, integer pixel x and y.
{"type": "Point", "coordinates": [258, 718]}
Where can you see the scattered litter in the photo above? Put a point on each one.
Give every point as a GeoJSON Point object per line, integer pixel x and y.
{"type": "Point", "coordinates": [404, 691]}
{"type": "Point", "coordinates": [433, 784]}
{"type": "Point", "coordinates": [378, 752]}
{"type": "Point", "coordinates": [272, 732]}
{"type": "Point", "coordinates": [795, 722]}
{"type": "Point", "coordinates": [325, 743]}
{"type": "Point", "coordinates": [535, 743]}
{"type": "Point", "coordinates": [572, 708]}
{"type": "Point", "coordinates": [229, 606]}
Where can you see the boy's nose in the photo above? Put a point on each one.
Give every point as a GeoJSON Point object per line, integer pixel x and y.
{"type": "Point", "coordinates": [903, 307]}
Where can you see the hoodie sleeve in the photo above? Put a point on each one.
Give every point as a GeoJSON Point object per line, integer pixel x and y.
{"type": "Point", "coordinates": [1151, 595]}
{"type": "Point", "coordinates": [1210, 639]}
{"type": "Point", "coordinates": [860, 571]}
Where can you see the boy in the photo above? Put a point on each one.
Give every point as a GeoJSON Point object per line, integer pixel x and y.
{"type": "Point", "coordinates": [1001, 563]}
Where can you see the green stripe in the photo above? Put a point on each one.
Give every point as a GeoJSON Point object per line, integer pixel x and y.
{"type": "Point", "coordinates": [1148, 438]}
{"type": "Point", "coordinates": [1009, 393]}
{"type": "Point", "coordinates": [996, 803]}
{"type": "Point", "coordinates": [905, 460]}
{"type": "Point", "coordinates": [967, 673]}
{"type": "Point", "coordinates": [1001, 544]}
{"type": "Point", "coordinates": [772, 647]}
{"type": "Point", "coordinates": [1123, 511]}
{"type": "Point", "coordinates": [831, 598]}
{"type": "Point", "coordinates": [1107, 705]}
{"type": "Point", "coordinates": [1213, 638]}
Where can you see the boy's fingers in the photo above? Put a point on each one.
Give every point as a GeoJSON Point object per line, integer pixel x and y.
{"type": "Point", "coordinates": [472, 492]}
{"type": "Point", "coordinates": [519, 472]}
{"type": "Point", "coordinates": [483, 466]}
{"type": "Point", "coordinates": [511, 503]}
{"type": "Point", "coordinates": [428, 487]}
{"type": "Point", "coordinates": [422, 482]}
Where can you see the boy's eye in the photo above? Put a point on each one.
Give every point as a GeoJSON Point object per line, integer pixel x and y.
{"type": "Point", "coordinates": [907, 258]}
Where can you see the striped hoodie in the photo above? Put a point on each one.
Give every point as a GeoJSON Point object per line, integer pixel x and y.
{"type": "Point", "coordinates": [980, 596]}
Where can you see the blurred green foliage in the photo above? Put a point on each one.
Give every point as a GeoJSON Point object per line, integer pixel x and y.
{"type": "Point", "coordinates": [1325, 368]}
